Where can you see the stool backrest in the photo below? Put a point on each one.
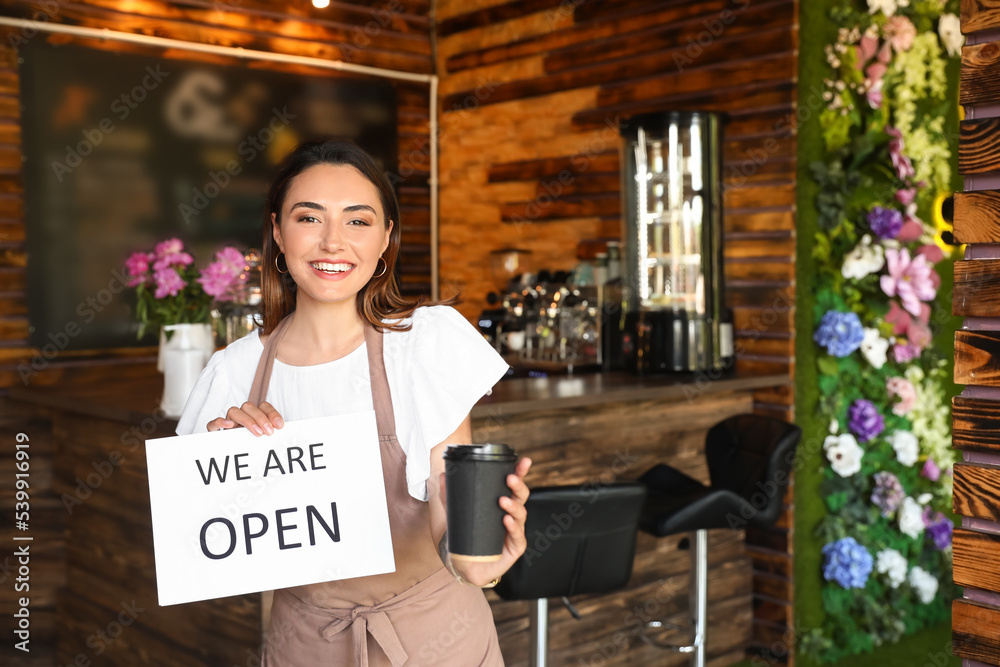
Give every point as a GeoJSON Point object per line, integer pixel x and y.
{"type": "Point", "coordinates": [752, 456]}
{"type": "Point", "coordinates": [581, 539]}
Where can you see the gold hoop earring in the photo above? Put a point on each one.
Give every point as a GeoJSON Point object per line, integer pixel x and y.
{"type": "Point", "coordinates": [276, 266]}
{"type": "Point", "coordinates": [385, 267]}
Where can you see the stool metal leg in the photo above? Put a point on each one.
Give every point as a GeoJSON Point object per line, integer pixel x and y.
{"type": "Point", "coordinates": [699, 595]}
{"type": "Point", "coordinates": [539, 629]}
{"type": "Point", "coordinates": [697, 605]}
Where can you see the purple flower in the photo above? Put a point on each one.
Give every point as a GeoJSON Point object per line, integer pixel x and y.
{"type": "Point", "coordinates": [905, 353]}
{"type": "Point", "coordinates": [847, 563]}
{"type": "Point", "coordinates": [864, 420]}
{"type": "Point", "coordinates": [888, 493]}
{"type": "Point", "coordinates": [840, 333]}
{"type": "Point", "coordinates": [137, 268]}
{"type": "Point", "coordinates": [885, 222]}
{"type": "Point", "coordinates": [939, 527]}
{"type": "Point", "coordinates": [168, 281]}
{"type": "Point", "coordinates": [931, 470]}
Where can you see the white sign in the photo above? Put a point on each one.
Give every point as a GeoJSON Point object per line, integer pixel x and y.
{"type": "Point", "coordinates": [234, 513]}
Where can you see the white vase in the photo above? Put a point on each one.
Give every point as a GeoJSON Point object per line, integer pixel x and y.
{"type": "Point", "coordinates": [182, 356]}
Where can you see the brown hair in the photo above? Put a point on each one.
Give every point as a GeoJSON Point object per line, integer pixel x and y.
{"type": "Point", "coordinates": [380, 298]}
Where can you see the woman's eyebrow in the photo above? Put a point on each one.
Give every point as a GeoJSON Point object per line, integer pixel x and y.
{"type": "Point", "coordinates": [359, 207]}
{"type": "Point", "coordinates": [308, 204]}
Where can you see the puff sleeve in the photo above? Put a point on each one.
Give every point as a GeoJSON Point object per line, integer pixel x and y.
{"type": "Point", "coordinates": [447, 367]}
{"type": "Point", "coordinates": [211, 397]}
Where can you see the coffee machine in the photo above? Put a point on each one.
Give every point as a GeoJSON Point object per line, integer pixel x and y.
{"type": "Point", "coordinates": [673, 316]}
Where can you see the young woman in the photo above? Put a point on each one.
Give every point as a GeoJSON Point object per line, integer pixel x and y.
{"type": "Point", "coordinates": [338, 338]}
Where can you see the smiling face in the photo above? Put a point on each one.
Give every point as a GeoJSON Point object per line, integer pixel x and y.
{"type": "Point", "coordinates": [332, 230]}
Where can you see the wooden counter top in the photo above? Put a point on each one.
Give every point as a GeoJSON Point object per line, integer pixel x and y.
{"type": "Point", "coordinates": [134, 399]}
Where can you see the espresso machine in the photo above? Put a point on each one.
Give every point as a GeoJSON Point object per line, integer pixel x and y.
{"type": "Point", "coordinates": [673, 316]}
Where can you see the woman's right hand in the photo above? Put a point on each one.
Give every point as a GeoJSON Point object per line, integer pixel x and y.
{"type": "Point", "coordinates": [259, 419]}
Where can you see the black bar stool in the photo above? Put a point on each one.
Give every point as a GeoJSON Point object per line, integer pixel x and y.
{"type": "Point", "coordinates": [581, 540]}
{"type": "Point", "coordinates": [750, 458]}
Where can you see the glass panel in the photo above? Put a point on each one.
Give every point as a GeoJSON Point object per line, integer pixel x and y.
{"type": "Point", "coordinates": [671, 212]}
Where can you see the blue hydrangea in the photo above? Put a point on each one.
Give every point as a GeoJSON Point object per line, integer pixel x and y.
{"type": "Point", "coordinates": [847, 563]}
{"type": "Point", "coordinates": [840, 333]}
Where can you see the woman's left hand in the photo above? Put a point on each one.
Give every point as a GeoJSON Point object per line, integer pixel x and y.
{"type": "Point", "coordinates": [515, 543]}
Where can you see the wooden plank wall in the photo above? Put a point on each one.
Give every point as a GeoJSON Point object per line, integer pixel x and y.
{"type": "Point", "coordinates": [531, 95]}
{"type": "Point", "coordinates": [391, 34]}
{"type": "Point", "coordinates": [976, 412]}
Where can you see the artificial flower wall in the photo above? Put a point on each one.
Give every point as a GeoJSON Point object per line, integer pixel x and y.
{"type": "Point", "coordinates": [886, 559]}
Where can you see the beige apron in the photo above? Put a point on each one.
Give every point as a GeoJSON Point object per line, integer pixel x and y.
{"type": "Point", "coordinates": [417, 615]}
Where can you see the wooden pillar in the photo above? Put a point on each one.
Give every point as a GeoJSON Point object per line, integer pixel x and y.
{"type": "Point", "coordinates": [976, 412]}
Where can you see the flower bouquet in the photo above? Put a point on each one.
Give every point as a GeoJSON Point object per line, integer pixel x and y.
{"type": "Point", "coordinates": [170, 289]}
{"type": "Point", "coordinates": [173, 295]}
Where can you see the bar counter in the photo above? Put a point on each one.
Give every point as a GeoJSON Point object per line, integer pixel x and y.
{"type": "Point", "coordinates": [588, 428]}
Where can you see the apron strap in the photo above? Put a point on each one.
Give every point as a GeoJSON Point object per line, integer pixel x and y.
{"type": "Point", "coordinates": [381, 397]}
{"type": "Point", "coordinates": [262, 378]}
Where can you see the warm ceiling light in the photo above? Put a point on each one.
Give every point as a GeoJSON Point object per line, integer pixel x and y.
{"type": "Point", "coordinates": [321, 4]}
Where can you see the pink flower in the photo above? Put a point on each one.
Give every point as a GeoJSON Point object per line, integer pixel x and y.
{"type": "Point", "coordinates": [168, 282]}
{"type": "Point", "coordinates": [909, 279]}
{"type": "Point", "coordinates": [137, 268]}
{"type": "Point", "coordinates": [931, 470]}
{"type": "Point", "coordinates": [906, 196]}
{"type": "Point", "coordinates": [902, 389]}
{"type": "Point", "coordinates": [904, 352]}
{"type": "Point", "coordinates": [173, 259]}
{"type": "Point", "coordinates": [904, 168]}
{"type": "Point", "coordinates": [220, 277]}
{"type": "Point", "coordinates": [874, 95]}
{"type": "Point", "coordinates": [919, 335]}
{"type": "Point", "coordinates": [900, 32]}
{"type": "Point", "coordinates": [932, 252]}
{"type": "Point", "coordinates": [913, 229]}
{"type": "Point", "coordinates": [169, 247]}
{"type": "Point", "coordinates": [898, 318]}
{"type": "Point", "coordinates": [866, 49]}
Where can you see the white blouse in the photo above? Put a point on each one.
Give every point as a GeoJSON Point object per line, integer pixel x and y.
{"type": "Point", "coordinates": [436, 371]}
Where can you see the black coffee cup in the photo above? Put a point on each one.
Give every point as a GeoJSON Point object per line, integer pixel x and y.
{"type": "Point", "coordinates": [475, 478]}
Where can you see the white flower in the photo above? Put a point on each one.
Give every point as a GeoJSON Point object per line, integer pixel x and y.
{"type": "Point", "coordinates": [924, 583]}
{"type": "Point", "coordinates": [834, 426]}
{"type": "Point", "coordinates": [950, 29]}
{"type": "Point", "coordinates": [925, 498]}
{"type": "Point", "coordinates": [864, 259]}
{"type": "Point", "coordinates": [911, 520]}
{"type": "Point", "coordinates": [905, 444]}
{"type": "Point", "coordinates": [844, 454]}
{"type": "Point", "coordinates": [887, 7]}
{"type": "Point", "coordinates": [893, 564]}
{"type": "Point", "coordinates": [874, 348]}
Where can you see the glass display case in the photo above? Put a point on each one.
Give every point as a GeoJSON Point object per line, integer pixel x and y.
{"type": "Point", "coordinates": [673, 290]}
